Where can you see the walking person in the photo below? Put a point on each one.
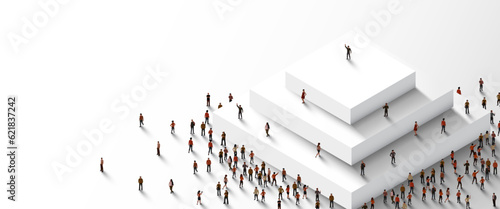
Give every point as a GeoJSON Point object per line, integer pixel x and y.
{"type": "Point", "coordinates": [141, 120]}
{"type": "Point", "coordinates": [195, 167]}
{"type": "Point", "coordinates": [171, 186]}
{"type": "Point", "coordinates": [172, 127]}
{"type": "Point", "coordinates": [102, 165]}
{"type": "Point", "coordinates": [266, 127]}
{"type": "Point", "coordinates": [283, 175]}
{"type": "Point", "coordinates": [192, 126]}
{"type": "Point", "coordinates": [303, 96]}
{"type": "Point", "coordinates": [140, 182]}
{"type": "Point", "coordinates": [318, 148]}
{"type": "Point", "coordinates": [447, 195]}
{"type": "Point", "coordinates": [240, 111]}
{"type": "Point", "coordinates": [415, 128]}
{"type": "Point", "coordinates": [348, 48]}
{"type": "Point", "coordinates": [225, 182]}
{"type": "Point", "coordinates": [443, 126]}
{"type": "Point", "coordinates": [386, 110]}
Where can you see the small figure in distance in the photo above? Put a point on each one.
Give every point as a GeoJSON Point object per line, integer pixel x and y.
{"type": "Point", "coordinates": [363, 165]}
{"type": "Point", "coordinates": [208, 99]}
{"type": "Point", "coordinates": [240, 111]}
{"type": "Point", "coordinates": [483, 103]}
{"type": "Point", "coordinates": [443, 126]}
{"type": "Point", "coordinates": [102, 165]}
{"type": "Point", "coordinates": [140, 182]}
{"type": "Point", "coordinates": [481, 83]}
{"type": "Point", "coordinates": [141, 120]}
{"type": "Point", "coordinates": [220, 105]}
{"type": "Point", "coordinates": [459, 92]}
{"type": "Point", "coordinates": [415, 128]}
{"type": "Point", "coordinates": [230, 97]}
{"type": "Point", "coordinates": [348, 48]}
{"type": "Point", "coordinates": [199, 193]}
{"type": "Point", "coordinates": [386, 110]}
{"type": "Point", "coordinates": [393, 157]}
{"type": "Point", "coordinates": [172, 125]}
{"type": "Point", "coordinates": [467, 106]}
{"type": "Point", "coordinates": [171, 186]}
{"type": "Point", "coordinates": [158, 148]}
{"type": "Point", "coordinates": [303, 96]}
{"type": "Point", "coordinates": [267, 129]}
{"type": "Point", "coordinates": [318, 148]}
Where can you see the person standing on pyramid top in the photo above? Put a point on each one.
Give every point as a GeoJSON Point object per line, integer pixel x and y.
{"type": "Point", "coordinates": [348, 48]}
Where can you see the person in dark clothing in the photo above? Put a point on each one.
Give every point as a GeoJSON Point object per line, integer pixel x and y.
{"type": "Point", "coordinates": [348, 48]}
{"type": "Point", "coordinates": [386, 110]}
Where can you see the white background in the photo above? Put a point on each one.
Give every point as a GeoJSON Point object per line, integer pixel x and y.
{"type": "Point", "coordinates": [91, 52]}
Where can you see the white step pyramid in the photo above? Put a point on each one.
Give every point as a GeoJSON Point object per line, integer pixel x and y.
{"type": "Point", "coordinates": [352, 89]}
{"type": "Point", "coordinates": [288, 150]}
{"type": "Point", "coordinates": [350, 143]}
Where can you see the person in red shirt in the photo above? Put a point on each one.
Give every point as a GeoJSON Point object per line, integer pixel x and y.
{"type": "Point", "coordinates": [459, 92]}
{"type": "Point", "coordinates": [498, 127]}
{"type": "Point", "coordinates": [141, 120]}
{"type": "Point", "coordinates": [415, 128]}
{"type": "Point", "coordinates": [209, 164]}
{"type": "Point", "coordinates": [472, 146]}
{"type": "Point", "coordinates": [230, 97]}
{"type": "Point", "coordinates": [443, 126]}
{"type": "Point", "coordinates": [251, 156]}
{"type": "Point", "coordinates": [452, 155]}
{"type": "Point", "coordinates": [195, 167]}
{"type": "Point", "coordinates": [482, 182]}
{"type": "Point", "coordinates": [412, 185]}
{"type": "Point", "coordinates": [458, 196]}
{"type": "Point", "coordinates": [372, 201]}
{"type": "Point", "coordinates": [190, 143]}
{"type": "Point", "coordinates": [455, 166]}
{"type": "Point", "coordinates": [303, 96]}
{"type": "Point", "coordinates": [474, 176]}
{"type": "Point", "coordinates": [172, 125]}
{"type": "Point", "coordinates": [210, 146]}
{"type": "Point", "coordinates": [207, 116]}
{"type": "Point", "coordinates": [210, 132]}
{"type": "Point", "coordinates": [208, 99]}
{"type": "Point", "coordinates": [440, 200]}
{"type": "Point", "coordinates": [397, 201]}
{"type": "Point", "coordinates": [424, 191]}
{"type": "Point", "coordinates": [241, 180]}
{"type": "Point", "coordinates": [459, 180]}
{"type": "Point", "coordinates": [495, 166]}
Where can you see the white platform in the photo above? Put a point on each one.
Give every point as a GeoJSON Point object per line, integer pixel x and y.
{"type": "Point", "coordinates": [352, 89]}
{"type": "Point", "coordinates": [288, 150]}
{"type": "Point", "coordinates": [350, 143]}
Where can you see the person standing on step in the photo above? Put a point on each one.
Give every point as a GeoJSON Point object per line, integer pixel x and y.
{"type": "Point", "coordinates": [318, 148]}
{"type": "Point", "coordinates": [207, 117]}
{"type": "Point", "coordinates": [230, 97]}
{"type": "Point", "coordinates": [172, 127]}
{"type": "Point", "coordinates": [242, 151]}
{"type": "Point", "coordinates": [441, 165]}
{"type": "Point", "coordinates": [443, 126]}
{"type": "Point", "coordinates": [208, 99]}
{"type": "Point", "coordinates": [195, 167]}
{"type": "Point", "coordinates": [483, 103]}
{"type": "Point", "coordinates": [251, 155]}
{"type": "Point", "coordinates": [263, 196]}
{"type": "Point", "coordinates": [256, 194]}
{"type": "Point", "coordinates": [362, 168]}
{"type": "Point", "coordinates": [192, 126]}
{"type": "Point", "coordinates": [266, 127]}
{"type": "Point", "coordinates": [495, 166]}
{"type": "Point", "coordinates": [141, 120]}
{"type": "Point", "coordinates": [466, 165]}
{"type": "Point", "coordinates": [210, 132]}
{"type": "Point", "coordinates": [102, 165]}
{"type": "Point", "coordinates": [397, 202]}
{"type": "Point", "coordinates": [198, 194]}
{"type": "Point", "coordinates": [447, 195]}
{"type": "Point", "coordinates": [303, 96]}
{"type": "Point", "coordinates": [459, 181]}
{"type": "Point", "coordinates": [440, 200]}
{"type": "Point", "coordinates": [482, 183]}
{"type": "Point", "coordinates": [415, 128]}
{"type": "Point", "coordinates": [494, 199]}
{"type": "Point", "coordinates": [467, 202]}
{"type": "Point", "coordinates": [372, 201]}
{"type": "Point", "coordinates": [209, 165]}
{"type": "Point", "coordinates": [158, 148]}
{"type": "Point", "coordinates": [210, 146]}
{"type": "Point", "coordinates": [348, 48]}
{"type": "Point", "coordinates": [386, 110]}
{"type": "Point", "coordinates": [441, 176]}
{"type": "Point", "coordinates": [433, 175]}
{"type": "Point", "coordinates": [171, 186]}
{"type": "Point", "coordinates": [331, 198]}
{"type": "Point", "coordinates": [481, 83]}
{"type": "Point", "coordinates": [218, 188]}
{"type": "Point", "coordinates": [467, 107]}
{"type": "Point", "coordinates": [240, 111]}
{"type": "Point", "coordinates": [283, 175]}
{"type": "Point", "coordinates": [459, 92]}
{"type": "Point", "coordinates": [317, 193]}
{"type": "Point", "coordinates": [393, 157]}
{"type": "Point", "coordinates": [279, 203]}
{"type": "Point", "coordinates": [492, 115]}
